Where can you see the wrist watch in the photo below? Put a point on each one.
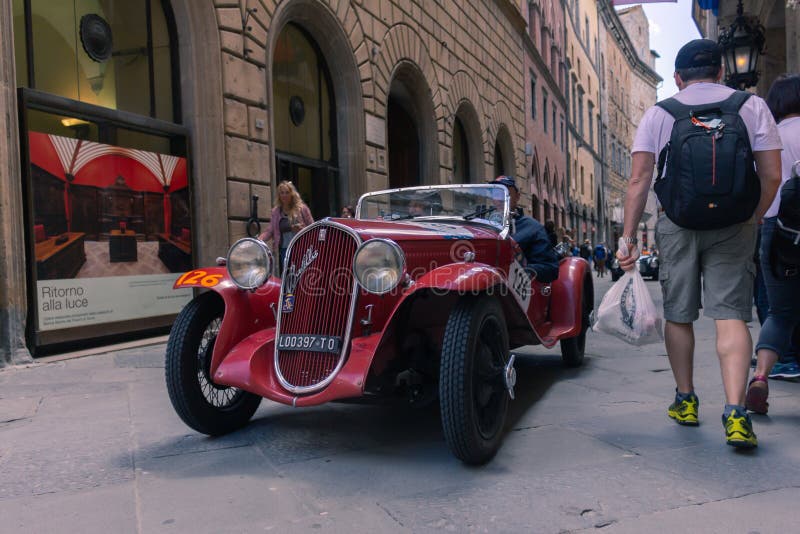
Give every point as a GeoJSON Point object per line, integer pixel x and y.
{"type": "Point", "coordinates": [630, 240]}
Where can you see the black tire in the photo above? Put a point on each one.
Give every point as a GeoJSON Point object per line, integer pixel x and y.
{"type": "Point", "coordinates": [472, 396]}
{"type": "Point", "coordinates": [573, 349]}
{"type": "Point", "coordinates": [204, 406]}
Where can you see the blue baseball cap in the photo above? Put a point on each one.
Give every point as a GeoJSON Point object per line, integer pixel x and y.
{"type": "Point", "coordinates": [506, 181]}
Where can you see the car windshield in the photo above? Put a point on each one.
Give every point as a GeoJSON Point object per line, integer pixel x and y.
{"type": "Point", "coordinates": [485, 203]}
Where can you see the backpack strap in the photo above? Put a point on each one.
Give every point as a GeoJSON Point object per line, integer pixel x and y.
{"type": "Point", "coordinates": [677, 109]}
{"type": "Point", "coordinates": [734, 103]}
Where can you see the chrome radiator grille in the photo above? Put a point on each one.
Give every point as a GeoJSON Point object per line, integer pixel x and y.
{"type": "Point", "coordinates": [317, 298]}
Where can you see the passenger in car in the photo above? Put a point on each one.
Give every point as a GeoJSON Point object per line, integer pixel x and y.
{"type": "Point", "coordinates": [540, 259]}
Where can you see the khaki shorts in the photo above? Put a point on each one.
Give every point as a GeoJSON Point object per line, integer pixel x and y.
{"type": "Point", "coordinates": [721, 259]}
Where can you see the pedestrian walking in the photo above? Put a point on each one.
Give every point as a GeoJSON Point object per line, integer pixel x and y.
{"type": "Point", "coordinates": [585, 250]}
{"type": "Point", "coordinates": [600, 255]}
{"type": "Point", "coordinates": [703, 235]}
{"type": "Point", "coordinates": [783, 288]}
{"type": "Point", "coordinates": [289, 216]}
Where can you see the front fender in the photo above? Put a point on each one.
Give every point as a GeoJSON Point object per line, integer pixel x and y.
{"type": "Point", "coordinates": [460, 277]}
{"type": "Point", "coordinates": [445, 284]}
{"type": "Point", "coordinates": [246, 312]}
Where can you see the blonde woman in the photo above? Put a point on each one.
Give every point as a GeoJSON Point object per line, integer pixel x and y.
{"type": "Point", "coordinates": [289, 216]}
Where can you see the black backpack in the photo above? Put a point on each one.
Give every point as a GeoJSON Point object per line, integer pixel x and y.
{"type": "Point", "coordinates": [785, 250]}
{"type": "Point", "coordinates": [709, 180]}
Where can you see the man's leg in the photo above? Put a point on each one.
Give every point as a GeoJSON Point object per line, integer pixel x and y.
{"type": "Point", "coordinates": [734, 347]}
{"type": "Point", "coordinates": [679, 339]}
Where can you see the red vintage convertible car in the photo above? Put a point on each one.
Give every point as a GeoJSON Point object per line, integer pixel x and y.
{"type": "Point", "coordinates": [421, 295]}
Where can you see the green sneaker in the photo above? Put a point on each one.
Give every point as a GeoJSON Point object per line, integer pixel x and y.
{"type": "Point", "coordinates": [739, 430]}
{"type": "Point", "coordinates": [684, 410]}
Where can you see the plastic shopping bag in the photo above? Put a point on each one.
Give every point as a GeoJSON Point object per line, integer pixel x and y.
{"type": "Point", "coordinates": [627, 310]}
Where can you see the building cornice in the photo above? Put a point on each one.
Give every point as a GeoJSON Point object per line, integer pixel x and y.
{"type": "Point", "coordinates": [512, 12]}
{"type": "Point", "coordinates": [615, 26]}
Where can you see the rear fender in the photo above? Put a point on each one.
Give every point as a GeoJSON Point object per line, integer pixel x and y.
{"type": "Point", "coordinates": [573, 283]}
{"type": "Point", "coordinates": [246, 312]}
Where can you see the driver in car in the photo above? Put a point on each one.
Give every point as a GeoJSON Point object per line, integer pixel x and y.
{"type": "Point", "coordinates": [540, 259]}
{"type": "Point", "coordinates": [417, 207]}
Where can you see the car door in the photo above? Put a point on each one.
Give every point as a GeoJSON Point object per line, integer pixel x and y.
{"type": "Point", "coordinates": [538, 294]}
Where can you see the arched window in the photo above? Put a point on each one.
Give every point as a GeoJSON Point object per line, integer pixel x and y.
{"type": "Point", "coordinates": [461, 170]}
{"type": "Point", "coordinates": [411, 129]}
{"type": "Point", "coordinates": [499, 167]}
{"type": "Point", "coordinates": [304, 119]}
{"type": "Point", "coordinates": [504, 152]}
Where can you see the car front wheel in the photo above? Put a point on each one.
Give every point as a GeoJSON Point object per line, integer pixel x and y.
{"type": "Point", "coordinates": [203, 405]}
{"type": "Point", "coordinates": [473, 392]}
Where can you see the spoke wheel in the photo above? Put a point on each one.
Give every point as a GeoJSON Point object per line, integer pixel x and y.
{"type": "Point", "coordinates": [472, 392]}
{"type": "Point", "coordinates": [205, 406]}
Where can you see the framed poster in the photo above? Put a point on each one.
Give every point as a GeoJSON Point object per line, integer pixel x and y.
{"type": "Point", "coordinates": [109, 223]}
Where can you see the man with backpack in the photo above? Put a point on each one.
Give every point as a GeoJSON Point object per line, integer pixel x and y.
{"type": "Point", "coordinates": [719, 168]}
{"type": "Point", "coordinates": [600, 255]}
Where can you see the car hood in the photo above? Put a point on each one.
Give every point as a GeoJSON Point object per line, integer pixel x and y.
{"type": "Point", "coordinates": [423, 230]}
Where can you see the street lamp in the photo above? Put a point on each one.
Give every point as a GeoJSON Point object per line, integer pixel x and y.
{"type": "Point", "coordinates": [741, 44]}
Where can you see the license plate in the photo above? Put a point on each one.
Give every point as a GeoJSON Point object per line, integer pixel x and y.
{"type": "Point", "coordinates": [309, 342]}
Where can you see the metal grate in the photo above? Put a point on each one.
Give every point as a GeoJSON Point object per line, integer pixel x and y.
{"type": "Point", "coordinates": [319, 284]}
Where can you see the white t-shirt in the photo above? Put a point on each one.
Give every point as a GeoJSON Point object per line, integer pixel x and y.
{"type": "Point", "coordinates": [656, 126]}
{"type": "Point", "coordinates": [790, 135]}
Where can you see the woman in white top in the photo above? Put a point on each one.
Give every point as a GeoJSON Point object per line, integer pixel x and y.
{"type": "Point", "coordinates": [783, 292]}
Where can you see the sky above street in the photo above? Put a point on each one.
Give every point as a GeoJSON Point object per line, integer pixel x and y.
{"type": "Point", "coordinates": [671, 26]}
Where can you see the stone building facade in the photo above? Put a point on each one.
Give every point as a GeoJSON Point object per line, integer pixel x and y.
{"type": "Point", "coordinates": [401, 93]}
{"type": "Point", "coordinates": [446, 74]}
{"type": "Point", "coordinates": [629, 89]}
{"type": "Point", "coordinates": [545, 113]}
{"type": "Point", "coordinates": [339, 96]}
{"type": "Point", "coordinates": [583, 146]}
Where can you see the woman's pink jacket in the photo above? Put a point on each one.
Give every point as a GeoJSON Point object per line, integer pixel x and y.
{"type": "Point", "coordinates": [273, 232]}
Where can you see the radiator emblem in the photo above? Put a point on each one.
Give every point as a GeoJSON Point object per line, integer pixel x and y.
{"type": "Point", "coordinates": [293, 275]}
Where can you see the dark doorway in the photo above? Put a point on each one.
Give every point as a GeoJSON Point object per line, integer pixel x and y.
{"type": "Point", "coordinates": [499, 167]}
{"type": "Point", "coordinates": [404, 156]}
{"type": "Point", "coordinates": [317, 184]}
{"type": "Point", "coordinates": [461, 170]}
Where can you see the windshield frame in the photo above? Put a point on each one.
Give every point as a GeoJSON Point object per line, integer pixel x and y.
{"type": "Point", "coordinates": [452, 218]}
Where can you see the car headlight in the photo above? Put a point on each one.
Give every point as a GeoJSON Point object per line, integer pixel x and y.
{"type": "Point", "coordinates": [249, 263]}
{"type": "Point", "coordinates": [378, 265]}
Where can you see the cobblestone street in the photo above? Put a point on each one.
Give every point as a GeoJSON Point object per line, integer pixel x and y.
{"type": "Point", "coordinates": [93, 445]}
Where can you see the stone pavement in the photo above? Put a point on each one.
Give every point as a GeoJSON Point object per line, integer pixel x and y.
{"type": "Point", "coordinates": [93, 445]}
